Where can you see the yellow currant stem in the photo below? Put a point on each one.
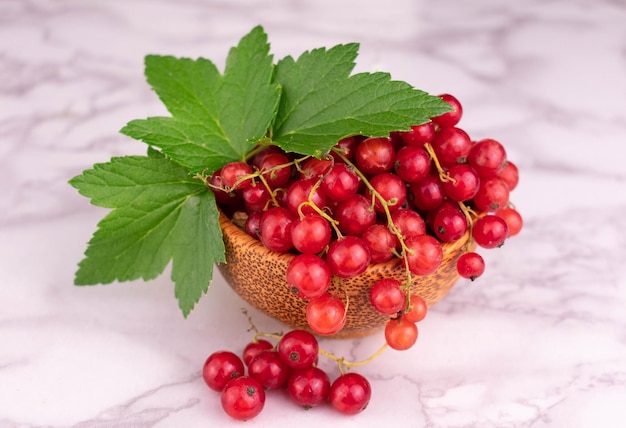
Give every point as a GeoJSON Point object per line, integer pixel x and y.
{"type": "Point", "coordinates": [443, 176]}
{"type": "Point", "coordinates": [469, 217]}
{"type": "Point", "coordinates": [298, 161]}
{"type": "Point", "coordinates": [269, 190]}
{"type": "Point", "coordinates": [343, 364]}
{"type": "Point", "coordinates": [322, 214]}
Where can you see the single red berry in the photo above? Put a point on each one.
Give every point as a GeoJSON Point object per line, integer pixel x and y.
{"type": "Point", "coordinates": [428, 193]}
{"type": "Point", "coordinates": [348, 257]}
{"type": "Point", "coordinates": [220, 367]}
{"type": "Point", "coordinates": [309, 387]}
{"type": "Point", "coordinates": [381, 242]}
{"type": "Point", "coordinates": [412, 163]}
{"type": "Point", "coordinates": [509, 174]}
{"type": "Point", "coordinates": [354, 215]}
{"type": "Point", "coordinates": [341, 183]}
{"type": "Point", "coordinates": [451, 145]}
{"type": "Point", "coordinates": [326, 314]}
{"type": "Point", "coordinates": [311, 234]}
{"type": "Point", "coordinates": [512, 218]}
{"type": "Point", "coordinates": [275, 169]}
{"type": "Point", "coordinates": [275, 229]}
{"type": "Point", "coordinates": [387, 297]}
{"type": "Point", "coordinates": [253, 348]}
{"type": "Point", "coordinates": [300, 193]}
{"type": "Point", "coordinates": [487, 157]}
{"type": "Point", "coordinates": [243, 398]}
{"type": "Point", "coordinates": [350, 393]}
{"type": "Point", "coordinates": [419, 134]}
{"type": "Point", "coordinates": [417, 309]}
{"type": "Point", "coordinates": [400, 334]}
{"type": "Point", "coordinates": [425, 254]}
{"type": "Point", "coordinates": [450, 118]}
{"type": "Point", "coordinates": [269, 369]}
{"type": "Point", "coordinates": [375, 155]}
{"type": "Point", "coordinates": [308, 275]}
{"type": "Point", "coordinates": [234, 175]}
{"type": "Point", "coordinates": [298, 349]}
{"type": "Point", "coordinates": [463, 183]}
{"type": "Point", "coordinates": [470, 265]}
{"type": "Point", "coordinates": [490, 231]}
{"type": "Point", "coordinates": [408, 222]}
{"type": "Point", "coordinates": [392, 190]}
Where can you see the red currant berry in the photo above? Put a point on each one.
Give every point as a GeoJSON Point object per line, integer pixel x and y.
{"type": "Point", "coordinates": [492, 194]}
{"type": "Point", "coordinates": [275, 229]}
{"type": "Point", "coordinates": [243, 398]}
{"type": "Point", "coordinates": [223, 195]}
{"type": "Point", "coordinates": [387, 297]}
{"type": "Point", "coordinates": [253, 348]}
{"type": "Point", "coordinates": [253, 224]}
{"type": "Point", "coordinates": [450, 118]}
{"type": "Point", "coordinates": [233, 174]}
{"type": "Point", "coordinates": [308, 275]}
{"type": "Point", "coordinates": [463, 183]}
{"type": "Point", "coordinates": [220, 368]}
{"type": "Point", "coordinates": [256, 197]}
{"type": "Point", "coordinates": [380, 241]}
{"type": "Point", "coordinates": [470, 265]}
{"type": "Point", "coordinates": [275, 169]}
{"type": "Point", "coordinates": [512, 218]}
{"type": "Point", "coordinates": [341, 183]}
{"type": "Point", "coordinates": [314, 168]}
{"type": "Point", "coordinates": [347, 147]}
{"type": "Point", "coordinates": [311, 234]}
{"type": "Point", "coordinates": [326, 314]}
{"type": "Point", "coordinates": [428, 193]}
{"type": "Point", "coordinates": [348, 257]}
{"type": "Point", "coordinates": [400, 334]}
{"type": "Point", "coordinates": [301, 192]}
{"type": "Point", "coordinates": [354, 215]}
{"type": "Point", "coordinates": [375, 155]}
{"type": "Point", "coordinates": [309, 387]}
{"type": "Point", "coordinates": [449, 224]}
{"type": "Point", "coordinates": [425, 254]}
{"type": "Point", "coordinates": [408, 222]}
{"type": "Point", "coordinates": [487, 157]}
{"type": "Point", "coordinates": [490, 231]}
{"type": "Point", "coordinates": [412, 163]}
{"type": "Point", "coordinates": [452, 145]}
{"type": "Point", "coordinates": [298, 349]}
{"type": "Point", "coordinates": [509, 174]}
{"type": "Point", "coordinates": [350, 393]}
{"type": "Point", "coordinates": [269, 369]}
{"type": "Point", "coordinates": [417, 309]}
{"type": "Point", "coordinates": [419, 134]}
{"type": "Point", "coordinates": [392, 190]}
{"type": "Point", "coordinates": [257, 160]}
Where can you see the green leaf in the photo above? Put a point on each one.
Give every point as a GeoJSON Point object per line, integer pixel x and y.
{"type": "Point", "coordinates": [322, 103]}
{"type": "Point", "coordinates": [215, 118]}
{"type": "Point", "coordinates": [160, 214]}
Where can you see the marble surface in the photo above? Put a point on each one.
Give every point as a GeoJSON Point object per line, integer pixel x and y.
{"type": "Point", "coordinates": [538, 341]}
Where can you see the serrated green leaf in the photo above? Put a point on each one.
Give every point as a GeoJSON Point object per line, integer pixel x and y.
{"type": "Point", "coordinates": [322, 103]}
{"type": "Point", "coordinates": [160, 214]}
{"type": "Point", "coordinates": [215, 118]}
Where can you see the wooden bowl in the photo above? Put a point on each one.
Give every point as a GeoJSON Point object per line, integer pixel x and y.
{"type": "Point", "coordinates": [258, 276]}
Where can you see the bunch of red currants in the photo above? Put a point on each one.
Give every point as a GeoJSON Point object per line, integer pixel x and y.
{"type": "Point", "coordinates": [290, 365]}
{"type": "Point", "coordinates": [371, 199]}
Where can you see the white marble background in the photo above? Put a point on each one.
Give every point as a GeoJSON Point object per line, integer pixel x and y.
{"type": "Point", "coordinates": [539, 341]}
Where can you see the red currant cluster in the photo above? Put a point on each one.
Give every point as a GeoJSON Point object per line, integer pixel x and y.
{"type": "Point", "coordinates": [372, 199]}
{"type": "Point", "coordinates": [290, 365]}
